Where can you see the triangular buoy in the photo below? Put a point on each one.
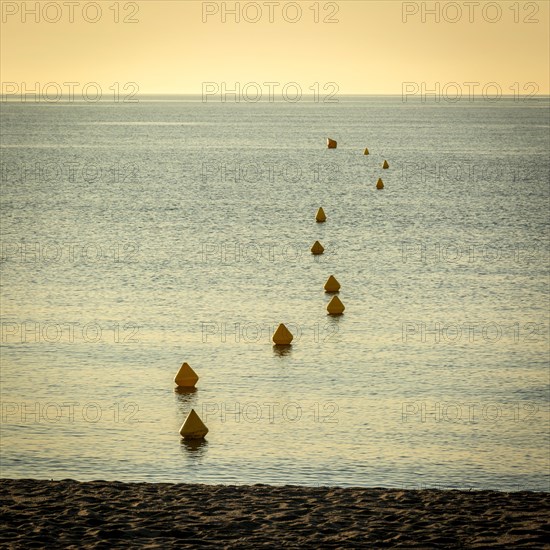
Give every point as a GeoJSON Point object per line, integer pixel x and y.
{"type": "Point", "coordinates": [186, 377]}
{"type": "Point", "coordinates": [366, 151]}
{"type": "Point", "coordinates": [282, 336]}
{"type": "Point", "coordinates": [332, 285]}
{"type": "Point", "coordinates": [385, 165]}
{"type": "Point", "coordinates": [331, 144]}
{"type": "Point", "coordinates": [317, 248]}
{"type": "Point", "coordinates": [193, 427]}
{"type": "Point", "coordinates": [335, 306]}
{"type": "Point", "coordinates": [321, 216]}
{"type": "Point", "coordinates": [379, 184]}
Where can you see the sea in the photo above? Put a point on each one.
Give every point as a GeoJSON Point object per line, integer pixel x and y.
{"type": "Point", "coordinates": [138, 235]}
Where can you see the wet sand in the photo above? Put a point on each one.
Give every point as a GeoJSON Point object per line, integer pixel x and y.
{"type": "Point", "coordinates": [101, 514]}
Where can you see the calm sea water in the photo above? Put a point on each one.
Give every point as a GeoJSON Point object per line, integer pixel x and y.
{"type": "Point", "coordinates": [138, 236]}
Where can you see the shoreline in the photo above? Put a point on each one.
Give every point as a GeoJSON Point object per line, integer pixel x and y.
{"type": "Point", "coordinates": [112, 514]}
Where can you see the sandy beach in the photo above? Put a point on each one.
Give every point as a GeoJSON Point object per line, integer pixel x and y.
{"type": "Point", "coordinates": [101, 514]}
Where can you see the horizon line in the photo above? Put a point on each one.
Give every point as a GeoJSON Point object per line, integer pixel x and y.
{"type": "Point", "coordinates": [217, 97]}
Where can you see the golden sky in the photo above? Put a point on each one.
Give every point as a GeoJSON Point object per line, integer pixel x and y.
{"type": "Point", "coordinates": [372, 47]}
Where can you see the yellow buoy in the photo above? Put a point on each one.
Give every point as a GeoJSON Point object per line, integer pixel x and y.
{"type": "Point", "coordinates": [186, 377]}
{"type": "Point", "coordinates": [379, 184]}
{"type": "Point", "coordinates": [335, 306]}
{"type": "Point", "coordinates": [321, 216]}
{"type": "Point", "coordinates": [282, 336]}
{"type": "Point", "coordinates": [331, 144]}
{"type": "Point", "coordinates": [366, 151]}
{"type": "Point", "coordinates": [332, 285]}
{"type": "Point", "coordinates": [385, 165]}
{"type": "Point", "coordinates": [317, 248]}
{"type": "Point", "coordinates": [193, 427]}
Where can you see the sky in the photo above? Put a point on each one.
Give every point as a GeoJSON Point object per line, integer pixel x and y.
{"type": "Point", "coordinates": [348, 47]}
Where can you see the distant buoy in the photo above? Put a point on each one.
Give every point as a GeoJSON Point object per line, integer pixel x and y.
{"type": "Point", "coordinates": [282, 336]}
{"type": "Point", "coordinates": [379, 184]}
{"type": "Point", "coordinates": [335, 306]}
{"type": "Point", "coordinates": [366, 151]}
{"type": "Point", "coordinates": [193, 427]}
{"type": "Point", "coordinates": [331, 144]}
{"type": "Point", "coordinates": [332, 285]}
{"type": "Point", "coordinates": [186, 377]}
{"type": "Point", "coordinates": [317, 248]}
{"type": "Point", "coordinates": [321, 216]}
{"type": "Point", "coordinates": [385, 165]}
